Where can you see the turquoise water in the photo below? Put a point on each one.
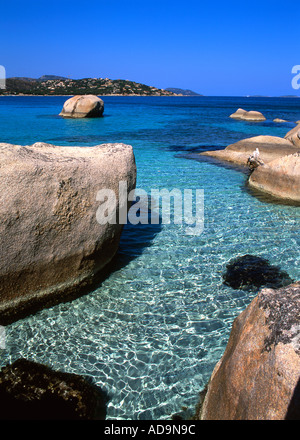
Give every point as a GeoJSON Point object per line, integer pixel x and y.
{"type": "Point", "coordinates": [152, 332]}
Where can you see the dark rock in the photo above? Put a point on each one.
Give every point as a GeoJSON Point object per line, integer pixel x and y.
{"type": "Point", "coordinates": [250, 271]}
{"type": "Point", "coordinates": [177, 416]}
{"type": "Point", "coordinates": [31, 391]}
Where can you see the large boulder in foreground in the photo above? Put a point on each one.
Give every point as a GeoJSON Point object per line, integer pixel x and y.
{"type": "Point", "coordinates": [251, 115]}
{"type": "Point", "coordinates": [32, 391]}
{"type": "Point", "coordinates": [258, 376]}
{"type": "Point", "coordinates": [294, 136]}
{"type": "Point", "coordinates": [279, 178]}
{"type": "Point", "coordinates": [83, 106]}
{"type": "Point", "coordinates": [52, 246]}
{"type": "Point", "coordinates": [269, 147]}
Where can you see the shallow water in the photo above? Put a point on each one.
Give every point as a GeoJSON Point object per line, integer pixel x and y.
{"type": "Point", "coordinates": [152, 332]}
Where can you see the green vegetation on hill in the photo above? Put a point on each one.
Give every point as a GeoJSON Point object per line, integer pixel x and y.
{"type": "Point", "coordinates": [51, 85]}
{"type": "Point", "coordinates": [183, 92]}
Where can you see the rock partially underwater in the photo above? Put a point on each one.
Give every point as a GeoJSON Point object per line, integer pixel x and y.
{"type": "Point", "coordinates": [83, 106]}
{"type": "Point", "coordinates": [269, 147]}
{"type": "Point", "coordinates": [258, 376]}
{"type": "Point", "coordinates": [279, 178]}
{"type": "Point", "coordinates": [52, 246]}
{"type": "Point", "coordinates": [31, 391]}
{"type": "Point", "coordinates": [274, 162]}
{"type": "Point", "coordinates": [251, 115]}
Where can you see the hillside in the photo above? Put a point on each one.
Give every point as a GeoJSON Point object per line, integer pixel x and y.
{"type": "Point", "coordinates": [52, 85]}
{"type": "Point", "coordinates": [183, 92]}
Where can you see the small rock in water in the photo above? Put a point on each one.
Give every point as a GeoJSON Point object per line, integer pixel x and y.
{"type": "Point", "coordinates": [31, 391]}
{"type": "Point", "coordinates": [250, 271]}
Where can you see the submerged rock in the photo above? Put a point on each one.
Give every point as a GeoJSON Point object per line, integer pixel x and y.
{"type": "Point", "coordinates": [258, 376]}
{"type": "Point", "coordinates": [250, 271]}
{"type": "Point", "coordinates": [52, 246]}
{"type": "Point", "coordinates": [83, 106]}
{"type": "Point", "coordinates": [279, 178]}
{"type": "Point", "coordinates": [31, 391]}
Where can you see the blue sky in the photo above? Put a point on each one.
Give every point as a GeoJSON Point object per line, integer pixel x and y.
{"type": "Point", "coordinates": [230, 48]}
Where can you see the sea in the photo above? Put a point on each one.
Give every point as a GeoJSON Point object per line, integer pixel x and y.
{"type": "Point", "coordinates": [154, 329]}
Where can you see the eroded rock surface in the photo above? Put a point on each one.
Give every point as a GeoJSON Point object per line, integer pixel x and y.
{"type": "Point", "coordinates": [294, 136]}
{"type": "Point", "coordinates": [258, 376]}
{"type": "Point", "coordinates": [279, 178]}
{"type": "Point", "coordinates": [269, 147]}
{"type": "Point", "coordinates": [251, 115]}
{"type": "Point", "coordinates": [52, 245]}
{"type": "Point", "coordinates": [83, 106]}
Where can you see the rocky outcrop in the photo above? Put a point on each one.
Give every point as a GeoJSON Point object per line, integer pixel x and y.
{"type": "Point", "coordinates": [279, 178]}
{"type": "Point", "coordinates": [294, 136]}
{"type": "Point", "coordinates": [269, 147]}
{"type": "Point", "coordinates": [258, 375]}
{"type": "Point", "coordinates": [244, 115]}
{"type": "Point", "coordinates": [238, 114]}
{"type": "Point", "coordinates": [52, 246]}
{"type": "Point", "coordinates": [83, 106]}
{"type": "Point", "coordinates": [279, 120]}
{"type": "Point", "coordinates": [31, 391]}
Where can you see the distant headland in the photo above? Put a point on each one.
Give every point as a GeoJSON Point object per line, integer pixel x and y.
{"type": "Point", "coordinates": [183, 92]}
{"type": "Point", "coordinates": [59, 85]}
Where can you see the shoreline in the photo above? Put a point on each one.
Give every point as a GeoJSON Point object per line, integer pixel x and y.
{"type": "Point", "coordinates": [151, 96]}
{"type": "Point", "coordinates": [172, 96]}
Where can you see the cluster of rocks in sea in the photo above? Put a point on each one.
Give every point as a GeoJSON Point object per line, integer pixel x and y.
{"type": "Point", "coordinates": [54, 249]}
{"type": "Point", "coordinates": [245, 115]}
{"type": "Point", "coordinates": [258, 376]}
{"type": "Point", "coordinates": [277, 172]}
{"type": "Point", "coordinates": [254, 116]}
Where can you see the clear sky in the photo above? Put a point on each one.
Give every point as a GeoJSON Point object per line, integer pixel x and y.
{"type": "Point", "coordinates": [231, 48]}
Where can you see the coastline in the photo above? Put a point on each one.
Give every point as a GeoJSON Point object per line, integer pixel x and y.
{"type": "Point", "coordinates": [171, 96]}
{"type": "Point", "coordinates": [108, 314]}
{"type": "Point", "coordinates": [115, 94]}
